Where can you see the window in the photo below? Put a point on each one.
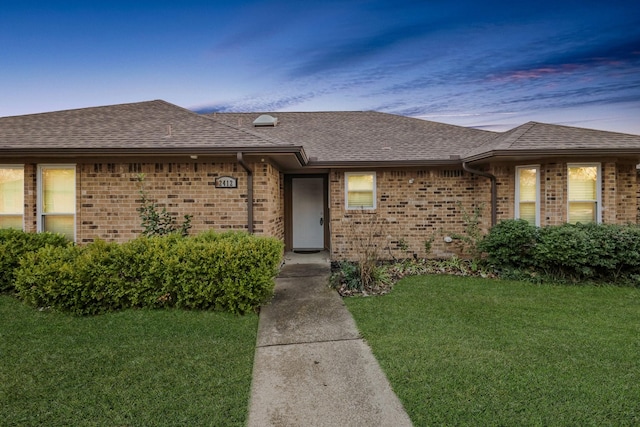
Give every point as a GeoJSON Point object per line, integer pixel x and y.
{"type": "Point", "coordinates": [360, 190]}
{"type": "Point", "coordinates": [11, 197]}
{"type": "Point", "coordinates": [583, 185]}
{"type": "Point", "coordinates": [528, 194]}
{"type": "Point", "coordinates": [57, 199]}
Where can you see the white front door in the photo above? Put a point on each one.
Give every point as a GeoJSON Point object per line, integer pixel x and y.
{"type": "Point", "coordinates": [307, 213]}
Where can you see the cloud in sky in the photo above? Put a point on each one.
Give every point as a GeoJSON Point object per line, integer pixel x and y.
{"type": "Point", "coordinates": [458, 61]}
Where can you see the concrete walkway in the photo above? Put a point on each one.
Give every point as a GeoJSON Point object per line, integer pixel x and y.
{"type": "Point", "coordinates": [311, 366]}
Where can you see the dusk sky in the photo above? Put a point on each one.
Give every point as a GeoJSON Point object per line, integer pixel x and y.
{"type": "Point", "coordinates": [486, 64]}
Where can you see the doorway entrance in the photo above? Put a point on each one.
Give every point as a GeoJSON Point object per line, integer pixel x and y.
{"type": "Point", "coordinates": [308, 228]}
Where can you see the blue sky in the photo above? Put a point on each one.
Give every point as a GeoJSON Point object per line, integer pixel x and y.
{"type": "Point", "coordinates": [488, 64]}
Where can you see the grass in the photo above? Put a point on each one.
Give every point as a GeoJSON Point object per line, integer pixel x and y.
{"type": "Point", "coordinates": [131, 368]}
{"type": "Point", "coordinates": [471, 351]}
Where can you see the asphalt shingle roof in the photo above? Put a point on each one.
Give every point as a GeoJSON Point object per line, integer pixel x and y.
{"type": "Point", "coordinates": [542, 137]}
{"type": "Point", "coordinates": [327, 138]}
{"type": "Point", "coordinates": [145, 125]}
{"type": "Point", "coordinates": [343, 136]}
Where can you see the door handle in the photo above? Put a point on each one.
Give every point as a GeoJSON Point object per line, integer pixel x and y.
{"type": "Point", "coordinates": [321, 221]}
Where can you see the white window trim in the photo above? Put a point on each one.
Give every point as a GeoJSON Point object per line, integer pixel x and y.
{"type": "Point", "coordinates": [598, 188]}
{"type": "Point", "coordinates": [39, 209]}
{"type": "Point", "coordinates": [517, 201]}
{"type": "Point", "coordinates": [346, 191]}
{"type": "Point", "coordinates": [17, 166]}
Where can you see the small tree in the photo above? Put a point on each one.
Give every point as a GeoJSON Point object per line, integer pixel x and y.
{"type": "Point", "coordinates": [473, 234]}
{"type": "Point", "coordinates": [157, 222]}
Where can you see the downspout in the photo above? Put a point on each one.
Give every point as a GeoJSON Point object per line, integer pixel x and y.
{"type": "Point", "coordinates": [249, 192]}
{"type": "Point", "coordinates": [494, 190]}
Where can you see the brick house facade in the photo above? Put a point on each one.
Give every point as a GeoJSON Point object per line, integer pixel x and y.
{"type": "Point", "coordinates": [410, 182]}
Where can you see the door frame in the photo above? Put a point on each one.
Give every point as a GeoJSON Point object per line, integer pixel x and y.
{"type": "Point", "coordinates": [288, 208]}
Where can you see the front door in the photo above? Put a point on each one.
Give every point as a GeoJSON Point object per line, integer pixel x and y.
{"type": "Point", "coordinates": [307, 208]}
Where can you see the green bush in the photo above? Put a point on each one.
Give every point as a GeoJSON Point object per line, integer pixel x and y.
{"type": "Point", "coordinates": [47, 277]}
{"type": "Point", "coordinates": [156, 222]}
{"type": "Point", "coordinates": [230, 272]}
{"type": "Point", "coordinates": [589, 251]}
{"type": "Point", "coordinates": [509, 243]}
{"type": "Point", "coordinates": [144, 279]}
{"type": "Point", "coordinates": [600, 252]}
{"type": "Point", "coordinates": [16, 243]}
{"type": "Point", "coordinates": [347, 276]}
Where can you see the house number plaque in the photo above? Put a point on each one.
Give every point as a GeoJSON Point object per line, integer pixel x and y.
{"type": "Point", "coordinates": [226, 182]}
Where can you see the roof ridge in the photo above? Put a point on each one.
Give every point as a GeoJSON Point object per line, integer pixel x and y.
{"type": "Point", "coordinates": [513, 135]}
{"type": "Point", "coordinates": [210, 118]}
{"type": "Point", "coordinates": [582, 129]}
{"type": "Point", "coordinates": [95, 107]}
{"type": "Point", "coordinates": [270, 139]}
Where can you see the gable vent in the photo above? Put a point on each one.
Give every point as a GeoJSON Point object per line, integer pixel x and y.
{"type": "Point", "coordinates": [265, 120]}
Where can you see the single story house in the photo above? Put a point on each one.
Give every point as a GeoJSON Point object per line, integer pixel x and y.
{"type": "Point", "coordinates": [316, 180]}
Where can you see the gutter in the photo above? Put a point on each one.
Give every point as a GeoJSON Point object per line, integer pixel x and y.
{"type": "Point", "coordinates": [382, 163]}
{"type": "Point", "coordinates": [554, 153]}
{"type": "Point", "coordinates": [298, 151]}
{"type": "Point", "coordinates": [249, 191]}
{"type": "Point", "coordinates": [494, 190]}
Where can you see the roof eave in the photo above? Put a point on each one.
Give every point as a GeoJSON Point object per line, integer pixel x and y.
{"type": "Point", "coordinates": [298, 151]}
{"type": "Point", "coordinates": [581, 152]}
{"type": "Point", "coordinates": [384, 163]}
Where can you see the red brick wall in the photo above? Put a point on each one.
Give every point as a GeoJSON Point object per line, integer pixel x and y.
{"type": "Point", "coordinates": [619, 191]}
{"type": "Point", "coordinates": [269, 200]}
{"type": "Point", "coordinates": [626, 199]}
{"type": "Point", "coordinates": [109, 196]}
{"type": "Point", "coordinates": [30, 195]}
{"type": "Point", "coordinates": [434, 205]}
{"type": "Point", "coordinates": [431, 207]}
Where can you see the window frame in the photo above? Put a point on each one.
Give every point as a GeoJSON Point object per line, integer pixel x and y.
{"type": "Point", "coordinates": [40, 197]}
{"type": "Point", "coordinates": [346, 191]}
{"type": "Point", "coordinates": [21, 167]}
{"type": "Point", "coordinates": [517, 192]}
{"type": "Point", "coordinates": [598, 200]}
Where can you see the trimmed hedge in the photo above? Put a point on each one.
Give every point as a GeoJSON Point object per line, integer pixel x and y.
{"type": "Point", "coordinates": [16, 243]}
{"type": "Point", "coordinates": [231, 272]}
{"type": "Point", "coordinates": [602, 252]}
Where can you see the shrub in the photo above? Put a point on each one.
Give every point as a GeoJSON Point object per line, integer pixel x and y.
{"type": "Point", "coordinates": [469, 240]}
{"type": "Point", "coordinates": [144, 279]}
{"type": "Point", "coordinates": [346, 275]}
{"type": "Point", "coordinates": [232, 272]}
{"type": "Point", "coordinates": [602, 252]}
{"type": "Point", "coordinates": [589, 251]}
{"type": "Point", "coordinates": [509, 243]}
{"type": "Point", "coordinates": [47, 277]}
{"type": "Point", "coordinates": [156, 222]}
{"type": "Point", "coordinates": [16, 243]}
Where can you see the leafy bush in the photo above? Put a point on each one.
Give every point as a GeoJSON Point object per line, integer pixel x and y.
{"type": "Point", "coordinates": [509, 243]}
{"type": "Point", "coordinates": [589, 251]}
{"type": "Point", "coordinates": [232, 272]}
{"type": "Point", "coordinates": [346, 275]}
{"type": "Point", "coordinates": [157, 222]}
{"type": "Point", "coordinates": [16, 243]}
{"type": "Point", "coordinates": [602, 252]}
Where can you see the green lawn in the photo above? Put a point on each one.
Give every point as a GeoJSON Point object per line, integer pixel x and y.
{"type": "Point", "coordinates": [131, 368]}
{"type": "Point", "coordinates": [470, 351]}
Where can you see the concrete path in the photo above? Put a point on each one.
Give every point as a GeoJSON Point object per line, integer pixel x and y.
{"type": "Point", "coordinates": [311, 366]}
